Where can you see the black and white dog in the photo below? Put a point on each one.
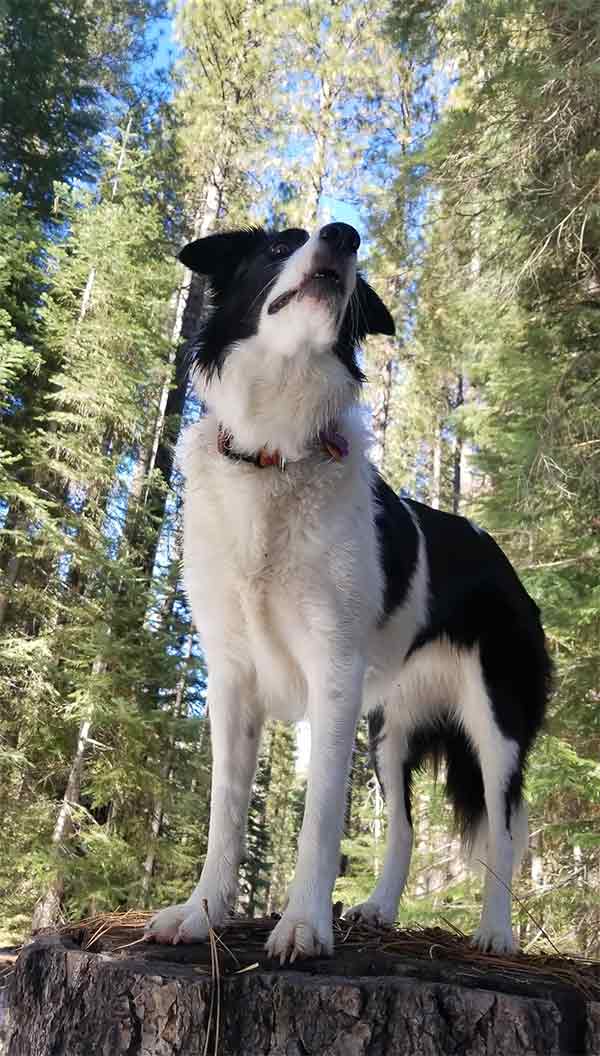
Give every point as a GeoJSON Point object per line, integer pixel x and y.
{"type": "Point", "coordinates": [318, 592]}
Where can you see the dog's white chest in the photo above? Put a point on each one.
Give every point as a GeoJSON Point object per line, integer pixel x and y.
{"type": "Point", "coordinates": [279, 565]}
{"type": "Point", "coordinates": [243, 548]}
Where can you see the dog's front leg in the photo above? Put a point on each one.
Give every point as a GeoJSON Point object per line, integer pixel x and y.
{"type": "Point", "coordinates": [235, 734]}
{"type": "Point", "coordinates": [305, 928]}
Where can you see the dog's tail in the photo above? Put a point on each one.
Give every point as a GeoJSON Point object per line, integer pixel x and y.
{"type": "Point", "coordinates": [475, 841]}
{"type": "Point", "coordinates": [464, 785]}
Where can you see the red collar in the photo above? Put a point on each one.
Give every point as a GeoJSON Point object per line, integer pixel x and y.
{"type": "Point", "coordinates": [331, 443]}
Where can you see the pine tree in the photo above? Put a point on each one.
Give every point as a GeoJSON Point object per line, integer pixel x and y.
{"type": "Point", "coordinates": [107, 336]}
{"type": "Point", "coordinates": [58, 64]}
{"type": "Point", "coordinates": [341, 99]}
{"type": "Point", "coordinates": [21, 285]}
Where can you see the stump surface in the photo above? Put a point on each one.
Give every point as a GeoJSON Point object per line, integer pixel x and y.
{"type": "Point", "coordinates": [91, 991]}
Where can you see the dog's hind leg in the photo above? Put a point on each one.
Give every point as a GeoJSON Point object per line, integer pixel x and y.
{"type": "Point", "coordinates": [499, 759]}
{"type": "Point", "coordinates": [389, 752]}
{"type": "Point", "coordinates": [235, 734]}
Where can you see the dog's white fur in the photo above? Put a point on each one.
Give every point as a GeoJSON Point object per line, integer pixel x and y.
{"type": "Point", "coordinates": [286, 587]}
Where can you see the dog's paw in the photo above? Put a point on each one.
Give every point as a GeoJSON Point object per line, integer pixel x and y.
{"type": "Point", "coordinates": [375, 914]}
{"type": "Point", "coordinates": [194, 927]}
{"type": "Point", "coordinates": [184, 923]}
{"type": "Point", "coordinates": [165, 925]}
{"type": "Point", "coordinates": [296, 936]}
{"type": "Point", "coordinates": [494, 939]}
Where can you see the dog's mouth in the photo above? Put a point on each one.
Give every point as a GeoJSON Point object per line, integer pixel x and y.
{"type": "Point", "coordinates": [321, 284]}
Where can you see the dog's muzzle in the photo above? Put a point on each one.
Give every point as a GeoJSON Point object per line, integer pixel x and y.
{"type": "Point", "coordinates": [326, 279]}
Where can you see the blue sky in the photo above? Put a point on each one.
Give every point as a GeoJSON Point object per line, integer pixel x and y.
{"type": "Point", "coordinates": [166, 53]}
{"type": "Point", "coordinates": [340, 210]}
{"type": "Point", "coordinates": [167, 47]}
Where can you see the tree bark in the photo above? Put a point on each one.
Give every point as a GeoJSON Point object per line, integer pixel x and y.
{"type": "Point", "coordinates": [458, 450]}
{"type": "Point", "coordinates": [66, 1000]}
{"type": "Point", "coordinates": [383, 415]}
{"type": "Point", "coordinates": [436, 472]}
{"type": "Point", "coordinates": [10, 578]}
{"type": "Point", "coordinates": [318, 169]}
{"type": "Point", "coordinates": [86, 298]}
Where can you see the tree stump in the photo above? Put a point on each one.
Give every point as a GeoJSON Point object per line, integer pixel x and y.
{"type": "Point", "coordinates": [422, 995]}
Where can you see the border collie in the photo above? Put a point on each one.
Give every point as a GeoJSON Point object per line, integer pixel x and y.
{"type": "Point", "coordinates": [318, 592]}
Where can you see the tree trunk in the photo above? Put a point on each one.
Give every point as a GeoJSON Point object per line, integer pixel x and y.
{"type": "Point", "coordinates": [536, 844]}
{"type": "Point", "coordinates": [458, 450]}
{"type": "Point", "coordinates": [86, 299]}
{"type": "Point", "coordinates": [188, 310]}
{"type": "Point", "coordinates": [160, 1001]}
{"type": "Point", "coordinates": [383, 422]}
{"type": "Point", "coordinates": [166, 773]}
{"type": "Point", "coordinates": [528, 930]}
{"type": "Point", "coordinates": [436, 473]}
{"type": "Point", "coordinates": [10, 578]}
{"type": "Point", "coordinates": [318, 169]}
{"type": "Point", "coordinates": [423, 846]}
{"type": "Point", "coordinates": [150, 859]}
{"type": "Point", "coordinates": [47, 911]}
{"type": "Point", "coordinates": [378, 826]}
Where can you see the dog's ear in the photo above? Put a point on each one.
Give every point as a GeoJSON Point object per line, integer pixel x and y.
{"type": "Point", "coordinates": [218, 256]}
{"type": "Point", "coordinates": [373, 316]}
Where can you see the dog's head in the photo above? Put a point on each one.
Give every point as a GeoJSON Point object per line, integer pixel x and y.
{"type": "Point", "coordinates": [297, 295]}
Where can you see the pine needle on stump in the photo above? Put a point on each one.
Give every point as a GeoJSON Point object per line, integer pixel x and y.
{"type": "Point", "coordinates": [238, 946]}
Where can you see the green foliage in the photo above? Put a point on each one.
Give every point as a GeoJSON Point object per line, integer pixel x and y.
{"type": "Point", "coordinates": [78, 647]}
{"type": "Point", "coordinates": [58, 63]}
{"type": "Point", "coordinates": [341, 99]}
{"type": "Point", "coordinates": [273, 824]}
{"type": "Point", "coordinates": [20, 278]}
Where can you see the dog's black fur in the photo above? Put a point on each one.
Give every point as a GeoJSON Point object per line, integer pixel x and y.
{"type": "Point", "coordinates": [475, 597]}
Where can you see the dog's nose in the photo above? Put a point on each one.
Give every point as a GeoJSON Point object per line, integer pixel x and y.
{"type": "Point", "coordinates": [340, 237]}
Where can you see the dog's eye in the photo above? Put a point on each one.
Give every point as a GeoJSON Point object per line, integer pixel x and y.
{"type": "Point", "coordinates": [279, 249]}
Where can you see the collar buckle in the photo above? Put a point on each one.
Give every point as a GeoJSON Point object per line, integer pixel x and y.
{"type": "Point", "coordinates": [331, 442]}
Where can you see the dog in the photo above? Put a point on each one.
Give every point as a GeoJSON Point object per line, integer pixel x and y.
{"type": "Point", "coordinates": [320, 593]}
